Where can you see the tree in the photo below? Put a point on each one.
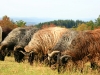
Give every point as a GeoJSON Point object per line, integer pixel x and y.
{"type": "Point", "coordinates": [62, 23]}
{"type": "Point", "coordinates": [81, 27]}
{"type": "Point", "coordinates": [20, 23]}
{"type": "Point", "coordinates": [97, 21]}
{"type": "Point", "coordinates": [90, 25]}
{"type": "Point", "coordinates": [47, 26]}
{"type": "Point", "coordinates": [7, 25]}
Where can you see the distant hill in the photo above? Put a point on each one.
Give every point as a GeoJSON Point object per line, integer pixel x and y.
{"type": "Point", "coordinates": [34, 20]}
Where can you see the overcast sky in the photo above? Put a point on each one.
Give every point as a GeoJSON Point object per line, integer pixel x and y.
{"type": "Point", "coordinates": [60, 9]}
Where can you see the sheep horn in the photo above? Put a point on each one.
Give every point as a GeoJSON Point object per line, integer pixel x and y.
{"type": "Point", "coordinates": [31, 52]}
{"type": "Point", "coordinates": [65, 56]}
{"type": "Point", "coordinates": [17, 47]}
{"type": "Point", "coordinates": [52, 53]}
{"type": "Point", "coordinates": [23, 52]}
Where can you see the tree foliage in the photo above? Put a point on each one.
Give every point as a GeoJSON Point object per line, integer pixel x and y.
{"type": "Point", "coordinates": [46, 26]}
{"type": "Point", "coordinates": [82, 27]}
{"type": "Point", "coordinates": [62, 23]}
{"type": "Point", "coordinates": [97, 21]}
{"type": "Point", "coordinates": [90, 25]}
{"type": "Point", "coordinates": [20, 23]}
{"type": "Point", "coordinates": [7, 25]}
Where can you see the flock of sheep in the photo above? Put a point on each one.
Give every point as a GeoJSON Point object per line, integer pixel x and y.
{"type": "Point", "coordinates": [54, 45]}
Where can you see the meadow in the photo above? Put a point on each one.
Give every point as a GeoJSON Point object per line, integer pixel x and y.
{"type": "Point", "coordinates": [10, 67]}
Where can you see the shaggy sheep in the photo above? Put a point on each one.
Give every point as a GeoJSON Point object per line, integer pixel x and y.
{"type": "Point", "coordinates": [11, 40]}
{"type": "Point", "coordinates": [62, 44]}
{"type": "Point", "coordinates": [44, 40]}
{"type": "Point", "coordinates": [22, 43]}
{"type": "Point", "coordinates": [83, 48]}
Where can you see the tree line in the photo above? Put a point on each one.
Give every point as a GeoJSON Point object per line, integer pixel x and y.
{"type": "Point", "coordinates": [77, 25]}
{"type": "Point", "coordinates": [7, 24]}
{"type": "Point", "coordinates": [62, 23]}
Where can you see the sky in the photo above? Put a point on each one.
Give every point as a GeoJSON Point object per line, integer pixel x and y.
{"type": "Point", "coordinates": [59, 9]}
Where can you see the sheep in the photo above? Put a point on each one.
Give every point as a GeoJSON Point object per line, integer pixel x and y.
{"type": "Point", "coordinates": [22, 43]}
{"type": "Point", "coordinates": [11, 40]}
{"type": "Point", "coordinates": [83, 48]}
{"type": "Point", "coordinates": [43, 40]}
{"type": "Point", "coordinates": [62, 44]}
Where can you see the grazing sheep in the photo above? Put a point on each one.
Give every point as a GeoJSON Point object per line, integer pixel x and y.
{"type": "Point", "coordinates": [22, 43]}
{"type": "Point", "coordinates": [83, 48]}
{"type": "Point", "coordinates": [44, 40]}
{"type": "Point", "coordinates": [61, 46]}
{"type": "Point", "coordinates": [11, 40]}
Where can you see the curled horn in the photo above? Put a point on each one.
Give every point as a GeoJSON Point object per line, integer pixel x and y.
{"type": "Point", "coordinates": [17, 47]}
{"type": "Point", "coordinates": [31, 52]}
{"type": "Point", "coordinates": [52, 53]}
{"type": "Point", "coordinates": [50, 56]}
{"type": "Point", "coordinates": [60, 62]}
{"type": "Point", "coordinates": [23, 52]}
{"type": "Point", "coordinates": [65, 56]}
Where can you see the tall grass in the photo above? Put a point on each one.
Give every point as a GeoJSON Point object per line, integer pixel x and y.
{"type": "Point", "coordinates": [10, 67]}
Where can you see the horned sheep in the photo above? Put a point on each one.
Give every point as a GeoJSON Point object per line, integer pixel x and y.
{"type": "Point", "coordinates": [19, 51]}
{"type": "Point", "coordinates": [44, 40]}
{"type": "Point", "coordinates": [11, 40]}
{"type": "Point", "coordinates": [83, 48]}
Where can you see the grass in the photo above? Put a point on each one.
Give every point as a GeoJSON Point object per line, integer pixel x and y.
{"type": "Point", "coordinates": [10, 67]}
